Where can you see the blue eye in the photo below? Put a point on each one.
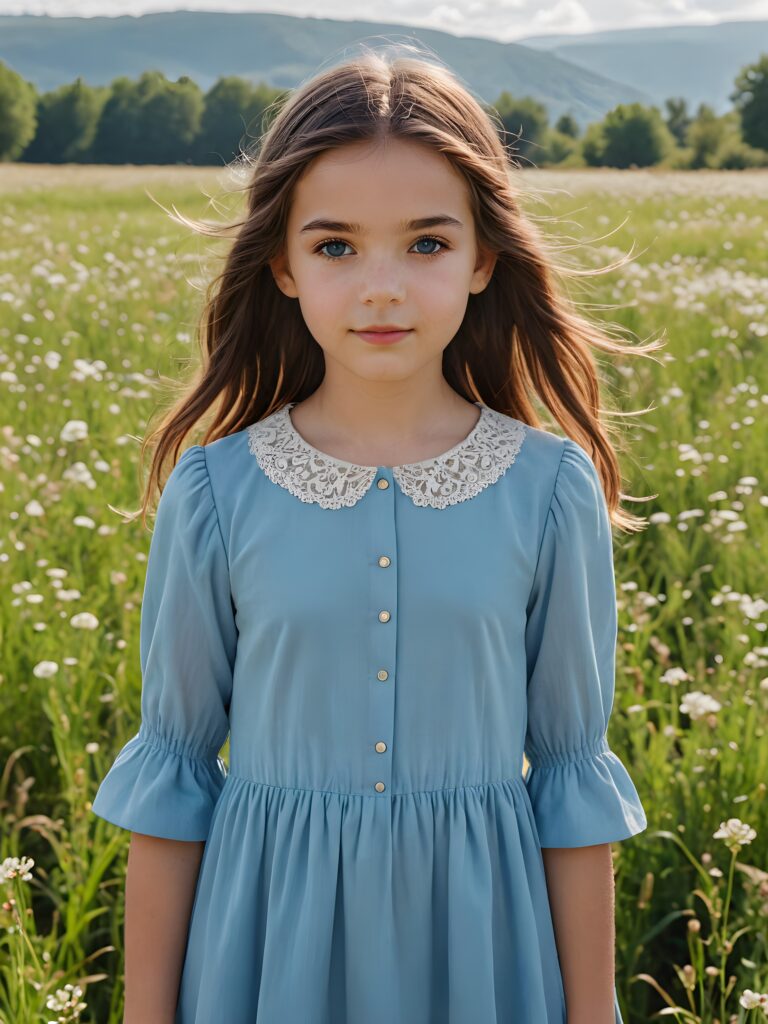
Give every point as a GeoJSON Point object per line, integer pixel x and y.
{"type": "Point", "coordinates": [429, 238]}
{"type": "Point", "coordinates": [333, 241]}
{"type": "Point", "coordinates": [338, 241]}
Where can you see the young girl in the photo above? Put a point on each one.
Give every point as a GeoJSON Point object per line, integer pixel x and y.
{"type": "Point", "coordinates": [385, 582]}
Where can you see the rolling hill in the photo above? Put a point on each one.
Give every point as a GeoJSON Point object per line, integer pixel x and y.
{"type": "Point", "coordinates": [698, 62]}
{"type": "Point", "coordinates": [283, 51]}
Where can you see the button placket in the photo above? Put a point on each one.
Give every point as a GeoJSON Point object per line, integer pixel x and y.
{"type": "Point", "coordinates": [383, 619]}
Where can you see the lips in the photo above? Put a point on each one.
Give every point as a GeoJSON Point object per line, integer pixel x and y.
{"type": "Point", "coordinates": [383, 337]}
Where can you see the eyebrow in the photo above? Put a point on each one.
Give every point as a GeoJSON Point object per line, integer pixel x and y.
{"type": "Point", "coordinates": [320, 224]}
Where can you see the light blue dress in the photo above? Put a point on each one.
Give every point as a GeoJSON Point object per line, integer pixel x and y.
{"type": "Point", "coordinates": [381, 644]}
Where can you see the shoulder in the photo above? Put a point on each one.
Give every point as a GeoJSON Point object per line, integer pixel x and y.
{"type": "Point", "coordinates": [200, 473]}
{"type": "Point", "coordinates": [554, 475]}
{"type": "Point", "coordinates": [578, 506]}
{"type": "Point", "coordinates": [553, 447]}
{"type": "Point", "coordinates": [540, 443]}
{"type": "Point", "coordinates": [187, 481]}
{"type": "Point", "coordinates": [538, 460]}
{"type": "Point", "coordinates": [228, 469]}
{"type": "Point", "coordinates": [559, 460]}
{"type": "Point", "coordinates": [223, 459]}
{"type": "Point", "coordinates": [577, 479]}
{"type": "Point", "coordinates": [225, 449]}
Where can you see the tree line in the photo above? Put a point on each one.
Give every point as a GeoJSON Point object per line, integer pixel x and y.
{"type": "Point", "coordinates": [153, 120]}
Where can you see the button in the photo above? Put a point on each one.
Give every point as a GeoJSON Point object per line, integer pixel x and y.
{"type": "Point", "coordinates": [384, 616]}
{"type": "Point", "coordinates": [381, 746]}
{"type": "Point", "coordinates": [384, 561]}
{"type": "Point", "coordinates": [382, 484]}
{"type": "Point", "coordinates": [382, 674]}
{"type": "Point", "coordinates": [379, 787]}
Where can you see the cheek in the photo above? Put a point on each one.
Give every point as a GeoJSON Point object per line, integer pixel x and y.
{"type": "Point", "coordinates": [443, 289]}
{"type": "Point", "coordinates": [321, 291]}
{"type": "Point", "coordinates": [325, 283]}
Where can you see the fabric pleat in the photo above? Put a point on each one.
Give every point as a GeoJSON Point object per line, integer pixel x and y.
{"type": "Point", "coordinates": [436, 928]}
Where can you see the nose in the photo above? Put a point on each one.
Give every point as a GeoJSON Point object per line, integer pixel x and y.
{"type": "Point", "coordinates": [382, 281]}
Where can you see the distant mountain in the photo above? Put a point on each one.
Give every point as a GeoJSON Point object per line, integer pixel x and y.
{"type": "Point", "coordinates": [284, 51]}
{"type": "Point", "coordinates": [698, 62]}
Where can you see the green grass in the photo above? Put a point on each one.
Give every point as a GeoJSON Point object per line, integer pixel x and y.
{"type": "Point", "coordinates": [99, 293]}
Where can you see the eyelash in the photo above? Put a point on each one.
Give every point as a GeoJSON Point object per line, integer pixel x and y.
{"type": "Point", "coordinates": [424, 255]}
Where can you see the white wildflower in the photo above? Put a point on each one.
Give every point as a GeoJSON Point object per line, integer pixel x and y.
{"type": "Point", "coordinates": [13, 866]}
{"type": "Point", "coordinates": [45, 669]}
{"type": "Point", "coordinates": [698, 704]}
{"type": "Point", "coordinates": [673, 676]}
{"type": "Point", "coordinates": [735, 833]}
{"type": "Point", "coordinates": [74, 430]}
{"type": "Point", "coordinates": [84, 620]}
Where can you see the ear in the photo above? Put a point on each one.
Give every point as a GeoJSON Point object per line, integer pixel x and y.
{"type": "Point", "coordinates": [282, 274]}
{"type": "Point", "coordinates": [486, 261]}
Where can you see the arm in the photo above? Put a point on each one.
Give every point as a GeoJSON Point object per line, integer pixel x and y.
{"type": "Point", "coordinates": [165, 782]}
{"type": "Point", "coordinates": [159, 891]}
{"type": "Point", "coordinates": [581, 894]}
{"type": "Point", "coordinates": [582, 796]}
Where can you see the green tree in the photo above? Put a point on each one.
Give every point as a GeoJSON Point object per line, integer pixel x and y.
{"type": "Point", "coordinates": [678, 118]}
{"type": "Point", "coordinates": [527, 120]}
{"type": "Point", "coordinates": [150, 121]}
{"type": "Point", "coordinates": [170, 116]}
{"type": "Point", "coordinates": [17, 113]}
{"type": "Point", "coordinates": [67, 119]}
{"type": "Point", "coordinates": [267, 100]}
{"type": "Point", "coordinates": [232, 114]}
{"type": "Point", "coordinates": [704, 137]}
{"type": "Point", "coordinates": [593, 144]}
{"type": "Point", "coordinates": [750, 98]}
{"type": "Point", "coordinates": [715, 141]}
{"type": "Point", "coordinates": [566, 124]}
{"type": "Point", "coordinates": [118, 131]}
{"type": "Point", "coordinates": [558, 147]}
{"type": "Point", "coordinates": [736, 155]}
{"type": "Point", "coordinates": [224, 120]}
{"type": "Point", "coordinates": [635, 135]}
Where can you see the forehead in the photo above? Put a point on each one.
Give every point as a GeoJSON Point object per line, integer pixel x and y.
{"type": "Point", "coordinates": [379, 183]}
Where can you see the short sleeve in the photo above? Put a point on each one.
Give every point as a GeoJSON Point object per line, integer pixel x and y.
{"type": "Point", "coordinates": [166, 779]}
{"type": "Point", "coordinates": [580, 791]}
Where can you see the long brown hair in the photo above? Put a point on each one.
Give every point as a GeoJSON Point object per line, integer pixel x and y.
{"type": "Point", "coordinates": [522, 337]}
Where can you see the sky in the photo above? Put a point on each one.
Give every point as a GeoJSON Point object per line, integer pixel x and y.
{"type": "Point", "coordinates": [503, 20]}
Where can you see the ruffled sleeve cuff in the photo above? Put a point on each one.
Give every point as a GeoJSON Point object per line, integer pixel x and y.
{"type": "Point", "coordinates": [585, 800]}
{"type": "Point", "coordinates": [162, 788]}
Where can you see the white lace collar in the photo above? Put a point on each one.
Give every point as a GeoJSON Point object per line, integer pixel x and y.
{"type": "Point", "coordinates": [456, 475]}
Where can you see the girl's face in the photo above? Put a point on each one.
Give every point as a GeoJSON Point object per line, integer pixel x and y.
{"type": "Point", "coordinates": [353, 261]}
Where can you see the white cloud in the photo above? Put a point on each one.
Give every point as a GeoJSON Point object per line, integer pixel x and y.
{"type": "Point", "coordinates": [504, 20]}
{"type": "Point", "coordinates": [564, 16]}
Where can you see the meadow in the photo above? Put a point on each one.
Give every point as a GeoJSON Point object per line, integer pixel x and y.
{"type": "Point", "coordinates": [99, 294]}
